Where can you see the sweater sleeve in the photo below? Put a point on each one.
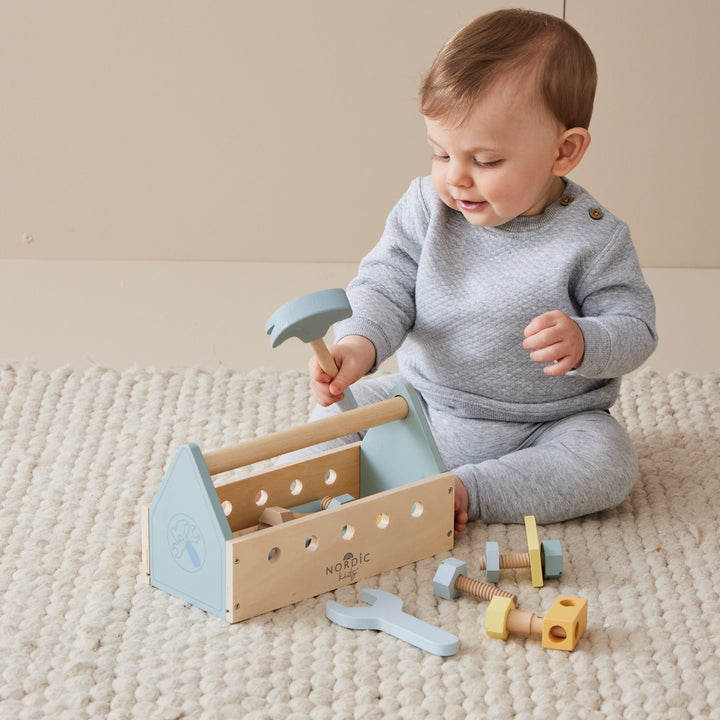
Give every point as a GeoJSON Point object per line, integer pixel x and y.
{"type": "Point", "coordinates": [382, 295]}
{"type": "Point", "coordinates": [617, 311]}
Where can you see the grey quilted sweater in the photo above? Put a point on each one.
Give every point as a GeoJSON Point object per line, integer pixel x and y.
{"type": "Point", "coordinates": [453, 300]}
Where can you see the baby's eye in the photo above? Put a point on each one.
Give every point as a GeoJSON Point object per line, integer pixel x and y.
{"type": "Point", "coordinates": [440, 156]}
{"type": "Point", "coordinates": [487, 164]}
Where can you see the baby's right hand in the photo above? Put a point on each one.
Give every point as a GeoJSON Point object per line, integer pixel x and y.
{"type": "Point", "coordinates": [354, 355]}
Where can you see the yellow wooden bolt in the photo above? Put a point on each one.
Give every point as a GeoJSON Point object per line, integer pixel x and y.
{"type": "Point", "coordinates": [560, 629]}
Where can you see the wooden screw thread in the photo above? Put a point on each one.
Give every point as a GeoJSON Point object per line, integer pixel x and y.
{"type": "Point", "coordinates": [509, 561]}
{"type": "Point", "coordinates": [325, 502]}
{"type": "Point", "coordinates": [481, 590]}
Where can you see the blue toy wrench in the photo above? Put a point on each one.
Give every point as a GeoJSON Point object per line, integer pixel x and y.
{"type": "Point", "coordinates": [384, 612]}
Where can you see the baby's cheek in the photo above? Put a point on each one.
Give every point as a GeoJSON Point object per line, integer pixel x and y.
{"type": "Point", "coordinates": [438, 181]}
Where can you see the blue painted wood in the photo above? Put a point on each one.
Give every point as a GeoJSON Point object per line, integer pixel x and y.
{"type": "Point", "coordinates": [492, 562]}
{"type": "Point", "coordinates": [308, 317]}
{"type": "Point", "coordinates": [384, 612]}
{"type": "Point", "coordinates": [399, 452]}
{"type": "Point", "coordinates": [188, 532]}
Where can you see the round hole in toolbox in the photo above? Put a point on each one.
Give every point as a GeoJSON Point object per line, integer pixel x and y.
{"type": "Point", "coordinates": [226, 506]}
{"type": "Point", "coordinates": [296, 487]}
{"type": "Point", "coordinates": [274, 554]}
{"type": "Point", "coordinates": [382, 520]}
{"type": "Point", "coordinates": [330, 477]}
{"type": "Point", "coordinates": [347, 532]}
{"type": "Point", "coordinates": [417, 509]}
{"type": "Point", "coordinates": [261, 497]}
{"type": "Point", "coordinates": [311, 543]}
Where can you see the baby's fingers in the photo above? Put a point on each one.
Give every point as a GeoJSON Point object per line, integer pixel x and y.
{"type": "Point", "coordinates": [559, 367]}
{"type": "Point", "coordinates": [317, 374]}
{"type": "Point", "coordinates": [541, 322]}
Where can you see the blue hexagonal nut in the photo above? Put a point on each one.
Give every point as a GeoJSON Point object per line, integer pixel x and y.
{"type": "Point", "coordinates": [446, 575]}
{"type": "Point", "coordinates": [340, 500]}
{"type": "Point", "coordinates": [492, 562]}
{"type": "Point", "coordinates": [552, 558]}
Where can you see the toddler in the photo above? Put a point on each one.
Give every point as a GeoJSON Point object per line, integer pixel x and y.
{"type": "Point", "coordinates": [514, 300]}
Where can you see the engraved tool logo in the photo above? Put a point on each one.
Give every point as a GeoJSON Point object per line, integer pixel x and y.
{"type": "Point", "coordinates": [186, 543]}
{"type": "Point", "coordinates": [347, 568]}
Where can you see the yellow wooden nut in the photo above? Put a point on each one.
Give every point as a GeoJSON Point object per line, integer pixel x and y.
{"type": "Point", "coordinates": [497, 615]}
{"type": "Point", "coordinates": [536, 571]}
{"type": "Point", "coordinates": [567, 616]}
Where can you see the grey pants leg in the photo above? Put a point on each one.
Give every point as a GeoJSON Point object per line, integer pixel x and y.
{"type": "Point", "coordinates": [557, 470]}
{"type": "Point", "coordinates": [578, 465]}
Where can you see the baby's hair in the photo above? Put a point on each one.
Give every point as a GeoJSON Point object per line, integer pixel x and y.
{"type": "Point", "coordinates": [512, 41]}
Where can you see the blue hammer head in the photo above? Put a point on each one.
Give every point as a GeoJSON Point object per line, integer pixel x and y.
{"type": "Point", "coordinates": [308, 317]}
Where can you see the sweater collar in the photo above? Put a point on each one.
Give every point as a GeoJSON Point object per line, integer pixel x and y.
{"type": "Point", "coordinates": [536, 223]}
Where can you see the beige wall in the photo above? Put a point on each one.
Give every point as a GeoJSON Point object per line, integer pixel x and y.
{"type": "Point", "coordinates": [654, 155]}
{"type": "Point", "coordinates": [213, 130]}
{"type": "Point", "coordinates": [264, 143]}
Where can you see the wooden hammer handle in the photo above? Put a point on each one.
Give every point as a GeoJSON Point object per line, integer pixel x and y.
{"type": "Point", "coordinates": [324, 357]}
{"type": "Point", "coordinates": [302, 436]}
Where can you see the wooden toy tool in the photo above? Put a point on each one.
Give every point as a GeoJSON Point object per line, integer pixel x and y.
{"type": "Point", "coordinates": [384, 612]}
{"type": "Point", "coordinates": [236, 549]}
{"type": "Point", "coordinates": [545, 559]}
{"type": "Point", "coordinates": [551, 560]}
{"type": "Point", "coordinates": [560, 629]}
{"type": "Point", "coordinates": [309, 318]}
{"type": "Point", "coordinates": [451, 580]}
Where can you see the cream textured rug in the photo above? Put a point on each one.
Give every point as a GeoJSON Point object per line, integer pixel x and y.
{"type": "Point", "coordinates": [81, 636]}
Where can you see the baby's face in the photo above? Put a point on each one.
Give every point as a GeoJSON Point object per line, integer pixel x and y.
{"type": "Point", "coordinates": [498, 164]}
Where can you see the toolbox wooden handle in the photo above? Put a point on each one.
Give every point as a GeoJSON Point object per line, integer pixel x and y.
{"type": "Point", "coordinates": [302, 436]}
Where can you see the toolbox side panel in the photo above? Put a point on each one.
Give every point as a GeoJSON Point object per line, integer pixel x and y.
{"type": "Point", "coordinates": [400, 452]}
{"type": "Point", "coordinates": [187, 534]}
{"type": "Point", "coordinates": [333, 472]}
{"type": "Point", "coordinates": [303, 558]}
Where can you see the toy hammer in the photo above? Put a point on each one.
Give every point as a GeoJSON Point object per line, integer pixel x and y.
{"type": "Point", "coordinates": [309, 318]}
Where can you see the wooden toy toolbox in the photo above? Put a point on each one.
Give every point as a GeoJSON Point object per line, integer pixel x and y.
{"type": "Point", "coordinates": [202, 542]}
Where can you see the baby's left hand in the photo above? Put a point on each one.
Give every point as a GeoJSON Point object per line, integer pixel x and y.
{"type": "Point", "coordinates": [556, 338]}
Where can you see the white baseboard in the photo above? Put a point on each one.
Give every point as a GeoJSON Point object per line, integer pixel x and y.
{"type": "Point", "coordinates": [157, 314]}
{"type": "Point", "coordinates": [180, 314]}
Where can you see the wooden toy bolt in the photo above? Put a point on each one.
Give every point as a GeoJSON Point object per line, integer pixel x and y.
{"type": "Point", "coordinates": [329, 502]}
{"type": "Point", "coordinates": [561, 628]}
{"type": "Point", "coordinates": [551, 560]}
{"type": "Point", "coordinates": [545, 559]}
{"type": "Point", "coordinates": [451, 580]}
{"type": "Point", "coordinates": [276, 515]}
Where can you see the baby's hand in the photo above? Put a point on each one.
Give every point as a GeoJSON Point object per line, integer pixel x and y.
{"type": "Point", "coordinates": [354, 355]}
{"type": "Point", "coordinates": [461, 506]}
{"type": "Point", "coordinates": [556, 338]}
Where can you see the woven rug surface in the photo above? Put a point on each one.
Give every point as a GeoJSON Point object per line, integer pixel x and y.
{"type": "Point", "coordinates": [82, 636]}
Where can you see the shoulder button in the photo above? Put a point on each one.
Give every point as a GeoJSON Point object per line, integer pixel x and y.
{"type": "Point", "coordinates": [596, 213]}
{"type": "Point", "coordinates": [566, 200]}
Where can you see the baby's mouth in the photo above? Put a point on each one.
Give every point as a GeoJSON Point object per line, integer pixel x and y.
{"type": "Point", "coordinates": [469, 205]}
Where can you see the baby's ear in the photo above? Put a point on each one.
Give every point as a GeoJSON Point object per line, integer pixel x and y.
{"type": "Point", "coordinates": [572, 145]}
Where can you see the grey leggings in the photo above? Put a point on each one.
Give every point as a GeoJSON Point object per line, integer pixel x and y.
{"type": "Point", "coordinates": [554, 470]}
